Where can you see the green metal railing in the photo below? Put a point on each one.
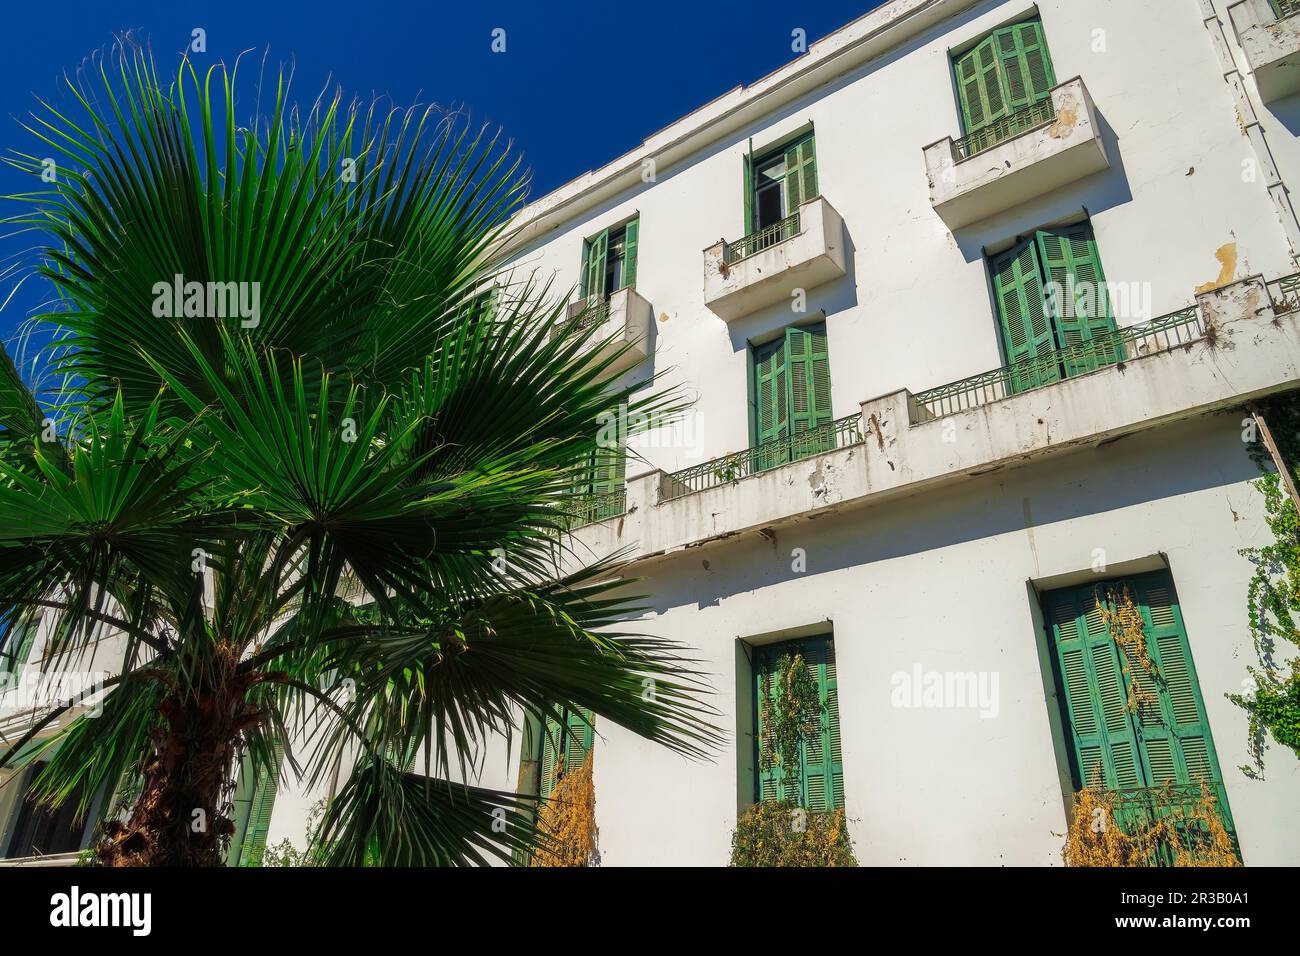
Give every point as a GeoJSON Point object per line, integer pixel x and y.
{"type": "Point", "coordinates": [1169, 331]}
{"type": "Point", "coordinates": [756, 242]}
{"type": "Point", "coordinates": [1137, 809]}
{"type": "Point", "coordinates": [593, 508]}
{"type": "Point", "coordinates": [742, 464]}
{"type": "Point", "coordinates": [591, 316]}
{"type": "Point", "coordinates": [1286, 8]}
{"type": "Point", "coordinates": [1285, 292]}
{"type": "Point", "coordinates": [1021, 121]}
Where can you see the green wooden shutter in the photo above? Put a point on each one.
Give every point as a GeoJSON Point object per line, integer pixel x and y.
{"type": "Point", "coordinates": [17, 646]}
{"type": "Point", "coordinates": [1082, 317]}
{"type": "Point", "coordinates": [609, 466]}
{"type": "Point", "coordinates": [629, 253]}
{"type": "Point", "coordinates": [820, 782]}
{"type": "Point", "coordinates": [1103, 734]}
{"type": "Point", "coordinates": [800, 174]}
{"type": "Point", "coordinates": [593, 277]}
{"type": "Point", "coordinates": [979, 86]}
{"type": "Point", "coordinates": [1026, 327]}
{"type": "Point", "coordinates": [750, 225]}
{"type": "Point", "coordinates": [573, 740]}
{"type": "Point", "coordinates": [1026, 65]}
{"type": "Point", "coordinates": [823, 765]}
{"type": "Point", "coordinates": [253, 802]}
{"type": "Point", "coordinates": [771, 393]}
{"type": "Point", "coordinates": [809, 379]}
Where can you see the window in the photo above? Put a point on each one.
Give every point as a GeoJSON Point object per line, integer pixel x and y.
{"type": "Point", "coordinates": [609, 261]}
{"type": "Point", "coordinates": [16, 645]}
{"type": "Point", "coordinates": [1130, 725]}
{"type": "Point", "coordinates": [1053, 307]}
{"type": "Point", "coordinates": [42, 831]}
{"type": "Point", "coordinates": [1004, 83]}
{"type": "Point", "coordinates": [251, 812]}
{"type": "Point", "coordinates": [777, 181]}
{"type": "Point", "coordinates": [600, 491]}
{"type": "Point", "coordinates": [790, 397]}
{"type": "Point", "coordinates": [818, 782]}
{"type": "Point", "coordinates": [564, 747]}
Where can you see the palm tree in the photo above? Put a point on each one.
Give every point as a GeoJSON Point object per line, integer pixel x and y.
{"type": "Point", "coordinates": [337, 503]}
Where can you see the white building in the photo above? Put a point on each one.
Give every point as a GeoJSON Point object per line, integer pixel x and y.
{"type": "Point", "coordinates": [938, 462]}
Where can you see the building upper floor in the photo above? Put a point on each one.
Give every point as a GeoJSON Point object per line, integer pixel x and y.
{"type": "Point", "coordinates": [959, 203]}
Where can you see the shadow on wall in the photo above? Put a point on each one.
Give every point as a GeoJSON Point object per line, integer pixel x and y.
{"type": "Point", "coordinates": [1096, 193]}
{"type": "Point", "coordinates": [1287, 111]}
{"type": "Point", "coordinates": [1194, 456]}
{"type": "Point", "coordinates": [820, 301]}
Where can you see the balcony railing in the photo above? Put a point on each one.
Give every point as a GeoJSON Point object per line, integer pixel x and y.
{"type": "Point", "coordinates": [1138, 810]}
{"type": "Point", "coordinates": [1286, 8]}
{"type": "Point", "coordinates": [593, 508]}
{"type": "Point", "coordinates": [742, 464]}
{"type": "Point", "coordinates": [594, 314]}
{"type": "Point", "coordinates": [1021, 121]}
{"type": "Point", "coordinates": [1167, 332]}
{"type": "Point", "coordinates": [756, 242]}
{"type": "Point", "coordinates": [1285, 292]}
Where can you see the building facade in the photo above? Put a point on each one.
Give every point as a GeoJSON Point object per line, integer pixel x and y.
{"type": "Point", "coordinates": [971, 298]}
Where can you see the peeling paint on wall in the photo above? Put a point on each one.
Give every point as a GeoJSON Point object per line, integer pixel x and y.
{"type": "Point", "coordinates": [1067, 115]}
{"type": "Point", "coordinates": [1227, 256]}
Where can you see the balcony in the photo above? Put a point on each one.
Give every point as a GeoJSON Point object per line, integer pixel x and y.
{"type": "Point", "coordinates": [1236, 344]}
{"type": "Point", "coordinates": [1027, 154]}
{"type": "Point", "coordinates": [800, 252]}
{"type": "Point", "coordinates": [624, 319]}
{"type": "Point", "coordinates": [1269, 34]}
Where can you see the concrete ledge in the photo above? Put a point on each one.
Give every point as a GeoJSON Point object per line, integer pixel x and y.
{"type": "Point", "coordinates": [1023, 167]}
{"type": "Point", "coordinates": [1246, 352]}
{"type": "Point", "coordinates": [629, 322]}
{"type": "Point", "coordinates": [804, 261]}
{"type": "Point", "coordinates": [1271, 46]}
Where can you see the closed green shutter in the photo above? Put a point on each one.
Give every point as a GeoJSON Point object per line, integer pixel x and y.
{"type": "Point", "coordinates": [979, 86]}
{"type": "Point", "coordinates": [810, 389]}
{"type": "Point", "coordinates": [609, 466]}
{"type": "Point", "coordinates": [821, 773]}
{"type": "Point", "coordinates": [1163, 736]}
{"type": "Point", "coordinates": [1026, 64]}
{"type": "Point", "coordinates": [771, 391]}
{"type": "Point", "coordinates": [1078, 304]}
{"type": "Point", "coordinates": [1092, 678]}
{"type": "Point", "coordinates": [750, 224]}
{"type": "Point", "coordinates": [631, 236]}
{"type": "Point", "coordinates": [573, 745]}
{"type": "Point", "coordinates": [1026, 327]}
{"type": "Point", "coordinates": [800, 174]}
{"type": "Point", "coordinates": [593, 266]}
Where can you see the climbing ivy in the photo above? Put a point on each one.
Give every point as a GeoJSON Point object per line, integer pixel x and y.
{"type": "Point", "coordinates": [1272, 697]}
{"type": "Point", "coordinates": [794, 715]}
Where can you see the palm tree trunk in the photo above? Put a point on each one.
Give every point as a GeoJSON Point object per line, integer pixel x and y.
{"type": "Point", "coordinates": [177, 819]}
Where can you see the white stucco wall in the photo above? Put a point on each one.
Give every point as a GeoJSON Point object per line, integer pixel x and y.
{"type": "Point", "coordinates": [942, 581]}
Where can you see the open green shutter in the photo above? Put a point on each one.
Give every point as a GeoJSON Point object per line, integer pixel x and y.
{"type": "Point", "coordinates": [809, 381]}
{"type": "Point", "coordinates": [979, 86]}
{"type": "Point", "coordinates": [771, 398]}
{"type": "Point", "coordinates": [1026, 328]}
{"type": "Point", "coordinates": [608, 470]}
{"type": "Point", "coordinates": [800, 174]}
{"type": "Point", "coordinates": [593, 283]}
{"type": "Point", "coordinates": [253, 809]}
{"type": "Point", "coordinates": [748, 163]}
{"type": "Point", "coordinates": [16, 647]}
{"type": "Point", "coordinates": [1077, 299]}
{"type": "Point", "coordinates": [552, 744]}
{"type": "Point", "coordinates": [1026, 64]}
{"type": "Point", "coordinates": [629, 253]}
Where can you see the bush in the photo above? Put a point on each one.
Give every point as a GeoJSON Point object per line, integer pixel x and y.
{"type": "Point", "coordinates": [777, 833]}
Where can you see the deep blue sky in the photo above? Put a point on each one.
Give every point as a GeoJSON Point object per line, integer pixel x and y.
{"type": "Point", "coordinates": [578, 84]}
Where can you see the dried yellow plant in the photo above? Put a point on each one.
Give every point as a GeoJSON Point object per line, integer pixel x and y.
{"type": "Point", "coordinates": [1186, 834]}
{"type": "Point", "coordinates": [567, 821]}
